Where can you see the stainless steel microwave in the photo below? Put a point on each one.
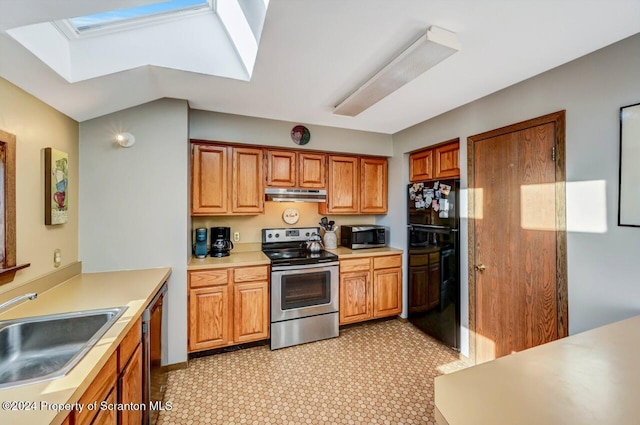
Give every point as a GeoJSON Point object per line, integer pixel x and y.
{"type": "Point", "coordinates": [364, 236]}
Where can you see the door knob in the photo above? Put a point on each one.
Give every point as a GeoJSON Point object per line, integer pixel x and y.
{"type": "Point", "coordinates": [480, 267]}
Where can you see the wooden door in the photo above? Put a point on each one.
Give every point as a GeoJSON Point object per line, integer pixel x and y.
{"type": "Point", "coordinates": [130, 389]}
{"type": "Point", "coordinates": [282, 168]}
{"type": "Point", "coordinates": [250, 311]}
{"type": "Point", "coordinates": [248, 180]}
{"type": "Point", "coordinates": [312, 172]}
{"type": "Point", "coordinates": [355, 297]}
{"type": "Point", "coordinates": [373, 185]}
{"type": "Point", "coordinates": [209, 317]}
{"type": "Point", "coordinates": [343, 195]}
{"type": "Point", "coordinates": [433, 280]}
{"type": "Point", "coordinates": [446, 160]}
{"type": "Point", "coordinates": [387, 292]}
{"type": "Point", "coordinates": [516, 237]}
{"type": "Point", "coordinates": [421, 166]}
{"type": "Point", "coordinates": [209, 180]}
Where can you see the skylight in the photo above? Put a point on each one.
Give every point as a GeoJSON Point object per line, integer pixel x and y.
{"type": "Point", "coordinates": [99, 20]}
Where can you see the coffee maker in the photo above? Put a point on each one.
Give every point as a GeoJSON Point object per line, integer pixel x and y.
{"type": "Point", "coordinates": [200, 246]}
{"type": "Point", "coordinates": [221, 241]}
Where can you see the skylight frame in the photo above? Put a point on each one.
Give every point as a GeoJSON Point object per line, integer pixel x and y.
{"type": "Point", "coordinates": [69, 30]}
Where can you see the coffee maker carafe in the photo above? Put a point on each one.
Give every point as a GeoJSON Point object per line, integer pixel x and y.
{"type": "Point", "coordinates": [221, 241]}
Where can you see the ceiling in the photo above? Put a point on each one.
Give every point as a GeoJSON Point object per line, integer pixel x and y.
{"type": "Point", "coordinates": [313, 53]}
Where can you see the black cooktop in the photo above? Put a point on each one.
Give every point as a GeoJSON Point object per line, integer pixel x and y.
{"type": "Point", "coordinates": [293, 256]}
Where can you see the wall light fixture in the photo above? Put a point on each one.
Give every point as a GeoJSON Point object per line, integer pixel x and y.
{"type": "Point", "coordinates": [125, 140]}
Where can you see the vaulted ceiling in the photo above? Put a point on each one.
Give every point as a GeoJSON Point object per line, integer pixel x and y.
{"type": "Point", "coordinates": [310, 55]}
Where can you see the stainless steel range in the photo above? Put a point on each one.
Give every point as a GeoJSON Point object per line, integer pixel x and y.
{"type": "Point", "coordinates": [304, 288]}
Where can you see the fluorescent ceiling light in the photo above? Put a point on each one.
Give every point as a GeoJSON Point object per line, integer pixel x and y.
{"type": "Point", "coordinates": [429, 50]}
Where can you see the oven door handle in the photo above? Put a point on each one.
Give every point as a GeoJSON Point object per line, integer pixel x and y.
{"type": "Point", "coordinates": [305, 267]}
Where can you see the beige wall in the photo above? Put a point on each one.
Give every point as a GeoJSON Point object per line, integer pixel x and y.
{"type": "Point", "coordinates": [250, 226]}
{"type": "Point", "coordinates": [36, 126]}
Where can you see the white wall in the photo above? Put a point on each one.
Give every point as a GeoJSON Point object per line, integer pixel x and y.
{"type": "Point", "coordinates": [133, 202]}
{"type": "Point", "coordinates": [259, 131]}
{"type": "Point", "coordinates": [603, 264]}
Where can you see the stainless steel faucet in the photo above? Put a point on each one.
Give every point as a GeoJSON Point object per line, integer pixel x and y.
{"type": "Point", "coordinates": [30, 296]}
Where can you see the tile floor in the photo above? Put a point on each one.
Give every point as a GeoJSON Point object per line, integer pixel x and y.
{"type": "Point", "coordinates": [374, 373]}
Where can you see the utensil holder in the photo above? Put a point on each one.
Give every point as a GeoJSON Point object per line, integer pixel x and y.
{"type": "Point", "coordinates": [330, 239]}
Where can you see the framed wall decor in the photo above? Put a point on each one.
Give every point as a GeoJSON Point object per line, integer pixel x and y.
{"type": "Point", "coordinates": [56, 182]}
{"type": "Point", "coordinates": [629, 192]}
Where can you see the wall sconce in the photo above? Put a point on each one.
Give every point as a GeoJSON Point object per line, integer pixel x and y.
{"type": "Point", "coordinates": [125, 140]}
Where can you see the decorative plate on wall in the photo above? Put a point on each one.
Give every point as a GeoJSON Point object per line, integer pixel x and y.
{"type": "Point", "coordinates": [290, 216]}
{"type": "Point", "coordinates": [300, 135]}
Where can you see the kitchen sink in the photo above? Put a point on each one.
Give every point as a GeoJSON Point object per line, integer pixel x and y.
{"type": "Point", "coordinates": [35, 349]}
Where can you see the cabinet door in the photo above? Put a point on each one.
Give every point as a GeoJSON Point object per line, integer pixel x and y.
{"type": "Point", "coordinates": [209, 180]}
{"type": "Point", "coordinates": [387, 292]}
{"type": "Point", "coordinates": [209, 317]}
{"type": "Point", "coordinates": [355, 297]}
{"type": "Point", "coordinates": [421, 166]}
{"type": "Point", "coordinates": [281, 168]}
{"type": "Point", "coordinates": [434, 280]}
{"type": "Point", "coordinates": [343, 195]}
{"type": "Point", "coordinates": [312, 170]}
{"type": "Point", "coordinates": [108, 416]}
{"type": "Point", "coordinates": [247, 181]}
{"type": "Point", "coordinates": [446, 161]}
{"type": "Point", "coordinates": [418, 290]}
{"type": "Point", "coordinates": [373, 185]}
{"type": "Point", "coordinates": [130, 389]}
{"type": "Point", "coordinates": [102, 388]}
{"type": "Point", "coordinates": [250, 311]}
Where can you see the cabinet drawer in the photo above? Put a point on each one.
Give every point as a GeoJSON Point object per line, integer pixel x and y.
{"type": "Point", "coordinates": [208, 278]}
{"type": "Point", "coordinates": [387, 262]}
{"type": "Point", "coordinates": [355, 264]}
{"type": "Point", "coordinates": [250, 274]}
{"type": "Point", "coordinates": [129, 344]}
{"type": "Point", "coordinates": [98, 390]}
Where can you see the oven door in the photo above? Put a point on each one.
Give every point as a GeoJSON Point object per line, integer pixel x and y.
{"type": "Point", "coordinates": [302, 291]}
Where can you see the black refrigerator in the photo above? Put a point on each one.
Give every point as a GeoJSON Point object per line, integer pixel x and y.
{"type": "Point", "coordinates": [434, 259]}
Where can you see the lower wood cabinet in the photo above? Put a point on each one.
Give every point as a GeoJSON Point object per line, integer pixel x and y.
{"type": "Point", "coordinates": [228, 306]}
{"type": "Point", "coordinates": [130, 375]}
{"type": "Point", "coordinates": [370, 288]}
{"type": "Point", "coordinates": [424, 269]}
{"type": "Point", "coordinates": [103, 388]}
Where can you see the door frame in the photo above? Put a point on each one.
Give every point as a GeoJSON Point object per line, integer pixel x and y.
{"type": "Point", "coordinates": [558, 119]}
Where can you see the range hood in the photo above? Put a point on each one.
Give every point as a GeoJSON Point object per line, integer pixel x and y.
{"type": "Point", "coordinates": [295, 195]}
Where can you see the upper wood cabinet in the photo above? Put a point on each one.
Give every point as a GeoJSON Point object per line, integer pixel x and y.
{"type": "Point", "coordinates": [357, 185]}
{"type": "Point", "coordinates": [248, 181]}
{"type": "Point", "coordinates": [435, 163]}
{"type": "Point", "coordinates": [446, 161]}
{"type": "Point", "coordinates": [296, 169]}
{"type": "Point", "coordinates": [343, 193]}
{"type": "Point", "coordinates": [312, 171]}
{"type": "Point", "coordinates": [209, 180]}
{"type": "Point", "coordinates": [373, 185]}
{"type": "Point", "coordinates": [282, 168]}
{"type": "Point", "coordinates": [226, 180]}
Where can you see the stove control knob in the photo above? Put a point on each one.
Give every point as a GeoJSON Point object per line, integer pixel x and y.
{"type": "Point", "coordinates": [269, 235]}
{"type": "Point", "coordinates": [307, 234]}
{"type": "Point", "coordinates": [277, 235]}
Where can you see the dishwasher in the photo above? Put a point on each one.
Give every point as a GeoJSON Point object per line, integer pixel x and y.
{"type": "Point", "coordinates": [154, 376]}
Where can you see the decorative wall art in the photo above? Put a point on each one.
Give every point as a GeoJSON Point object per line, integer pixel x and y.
{"type": "Point", "coordinates": [629, 193]}
{"type": "Point", "coordinates": [300, 135]}
{"type": "Point", "coordinates": [56, 182]}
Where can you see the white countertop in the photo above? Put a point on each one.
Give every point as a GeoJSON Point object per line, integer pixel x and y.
{"type": "Point", "coordinates": [591, 378]}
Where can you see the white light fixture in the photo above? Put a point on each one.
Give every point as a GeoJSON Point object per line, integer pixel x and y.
{"type": "Point", "coordinates": [126, 140]}
{"type": "Point", "coordinates": [429, 50]}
